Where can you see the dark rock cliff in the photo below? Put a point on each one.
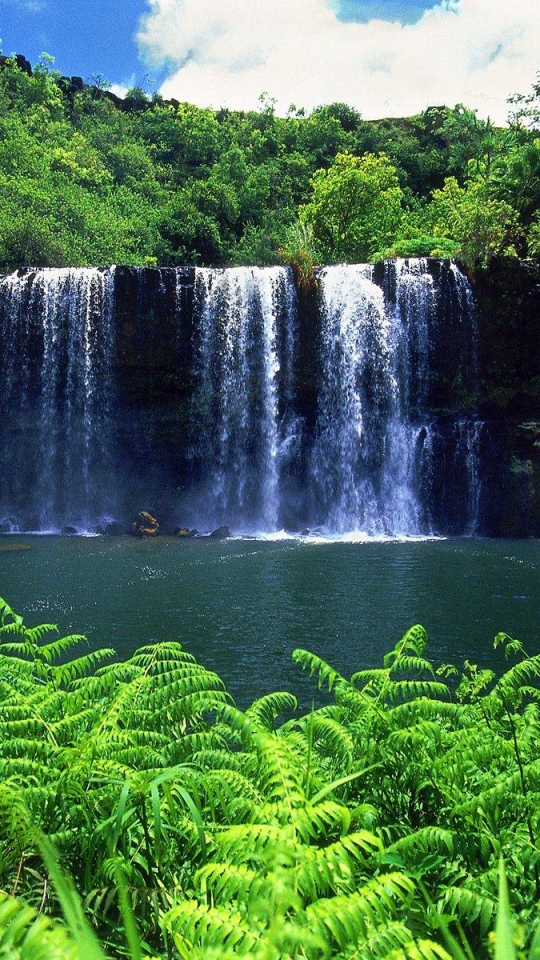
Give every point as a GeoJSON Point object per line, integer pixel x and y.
{"type": "Point", "coordinates": [508, 304]}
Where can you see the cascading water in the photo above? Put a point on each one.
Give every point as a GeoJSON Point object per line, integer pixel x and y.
{"type": "Point", "coordinates": [215, 397]}
{"type": "Point", "coordinates": [469, 435]}
{"type": "Point", "coordinates": [364, 448]}
{"type": "Point", "coordinates": [245, 319]}
{"type": "Point", "coordinates": [57, 338]}
{"type": "Point", "coordinates": [372, 460]}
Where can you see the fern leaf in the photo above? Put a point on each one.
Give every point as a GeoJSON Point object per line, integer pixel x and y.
{"type": "Point", "coordinates": [66, 673]}
{"type": "Point", "coordinates": [266, 709]}
{"type": "Point", "coordinates": [413, 643]}
{"type": "Point", "coordinates": [25, 933]}
{"type": "Point", "coordinates": [316, 666]}
{"type": "Point", "coordinates": [469, 907]}
{"type": "Point", "coordinates": [345, 919]}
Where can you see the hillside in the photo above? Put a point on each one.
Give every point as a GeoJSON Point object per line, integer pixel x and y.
{"type": "Point", "coordinates": [88, 179]}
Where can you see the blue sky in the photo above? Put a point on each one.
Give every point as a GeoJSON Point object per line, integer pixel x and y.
{"type": "Point", "coordinates": [85, 36]}
{"type": "Point", "coordinates": [406, 11]}
{"type": "Point", "coordinates": [385, 57]}
{"type": "Point", "coordinates": [89, 37]}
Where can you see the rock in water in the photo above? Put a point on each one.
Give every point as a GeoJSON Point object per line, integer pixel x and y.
{"type": "Point", "coordinates": [222, 533]}
{"type": "Point", "coordinates": [113, 529]}
{"type": "Point", "coordinates": [145, 525]}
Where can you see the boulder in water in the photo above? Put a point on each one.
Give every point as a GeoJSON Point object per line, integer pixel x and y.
{"type": "Point", "coordinates": [145, 525]}
{"type": "Point", "coordinates": [69, 531]}
{"type": "Point", "coordinates": [221, 533]}
{"type": "Point", "coordinates": [184, 532]}
{"type": "Point", "coordinates": [113, 529]}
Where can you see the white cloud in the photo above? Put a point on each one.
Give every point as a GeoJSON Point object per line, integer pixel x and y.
{"type": "Point", "coordinates": [227, 52]}
{"type": "Point", "coordinates": [31, 6]}
{"type": "Point", "coordinates": [119, 89]}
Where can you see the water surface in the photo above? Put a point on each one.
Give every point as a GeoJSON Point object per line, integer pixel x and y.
{"type": "Point", "coordinates": [242, 606]}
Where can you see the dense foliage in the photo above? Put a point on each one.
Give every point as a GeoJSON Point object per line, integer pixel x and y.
{"type": "Point", "coordinates": [372, 827]}
{"type": "Point", "coordinates": [83, 182]}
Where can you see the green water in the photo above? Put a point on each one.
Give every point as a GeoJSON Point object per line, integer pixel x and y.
{"type": "Point", "coordinates": [242, 606]}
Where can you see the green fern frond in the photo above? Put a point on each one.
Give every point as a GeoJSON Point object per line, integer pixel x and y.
{"type": "Point", "coordinates": [251, 843]}
{"type": "Point", "coordinates": [469, 907]}
{"type": "Point", "coordinates": [35, 634]}
{"type": "Point", "coordinates": [330, 738]}
{"type": "Point", "coordinates": [509, 686]}
{"type": "Point", "coordinates": [191, 707]}
{"type": "Point", "coordinates": [506, 790]}
{"type": "Point", "coordinates": [66, 673]}
{"type": "Point", "coordinates": [317, 667]}
{"type": "Point", "coordinates": [8, 615]}
{"type": "Point", "coordinates": [99, 686]}
{"type": "Point", "coordinates": [376, 677]}
{"type": "Point", "coordinates": [420, 950]}
{"type": "Point", "coordinates": [225, 881]}
{"type": "Point", "coordinates": [240, 722]}
{"type": "Point", "coordinates": [195, 745]}
{"type": "Point", "coordinates": [178, 687]}
{"type": "Point", "coordinates": [346, 919]}
{"type": "Point", "coordinates": [281, 777]}
{"type": "Point", "coordinates": [26, 934]}
{"type": "Point", "coordinates": [266, 709]}
{"type": "Point", "coordinates": [413, 643]}
{"type": "Point", "coordinates": [234, 787]}
{"type": "Point", "coordinates": [194, 925]}
{"type": "Point", "coordinates": [401, 690]}
{"type": "Point", "coordinates": [432, 839]}
{"type": "Point", "coordinates": [381, 944]}
{"type": "Point", "coordinates": [332, 869]}
{"type": "Point", "coordinates": [408, 663]}
{"type": "Point", "coordinates": [157, 656]}
{"type": "Point", "coordinates": [16, 648]}
{"type": "Point", "coordinates": [444, 713]}
{"type": "Point", "coordinates": [511, 647]}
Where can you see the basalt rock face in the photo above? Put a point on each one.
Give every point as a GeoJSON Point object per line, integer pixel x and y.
{"type": "Point", "coordinates": [508, 309]}
{"type": "Point", "coordinates": [395, 399]}
{"type": "Point", "coordinates": [154, 380]}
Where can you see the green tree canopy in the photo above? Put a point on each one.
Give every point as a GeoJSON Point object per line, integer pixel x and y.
{"type": "Point", "coordinates": [355, 208]}
{"type": "Point", "coordinates": [481, 225]}
{"type": "Point", "coordinates": [85, 180]}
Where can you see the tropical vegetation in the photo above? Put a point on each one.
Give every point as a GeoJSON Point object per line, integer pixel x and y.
{"type": "Point", "coordinates": [83, 182]}
{"type": "Point", "coordinates": [144, 814]}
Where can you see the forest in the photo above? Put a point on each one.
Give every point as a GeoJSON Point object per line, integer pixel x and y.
{"type": "Point", "coordinates": [85, 182]}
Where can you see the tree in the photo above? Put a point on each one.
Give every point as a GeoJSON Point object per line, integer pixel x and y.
{"type": "Point", "coordinates": [515, 177]}
{"type": "Point", "coordinates": [471, 140]}
{"type": "Point", "coordinates": [482, 226]}
{"type": "Point", "coordinates": [526, 112]}
{"type": "Point", "coordinates": [355, 208]}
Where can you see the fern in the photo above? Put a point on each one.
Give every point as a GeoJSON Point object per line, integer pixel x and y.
{"type": "Point", "coordinates": [370, 827]}
{"type": "Point", "coordinates": [26, 934]}
{"type": "Point", "coordinates": [469, 907]}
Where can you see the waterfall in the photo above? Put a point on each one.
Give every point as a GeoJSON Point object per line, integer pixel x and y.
{"type": "Point", "coordinates": [244, 318]}
{"type": "Point", "coordinates": [372, 461]}
{"type": "Point", "coordinates": [57, 340]}
{"type": "Point", "coordinates": [365, 448]}
{"type": "Point", "coordinates": [468, 449]}
{"type": "Point", "coordinates": [219, 397]}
